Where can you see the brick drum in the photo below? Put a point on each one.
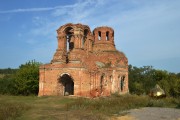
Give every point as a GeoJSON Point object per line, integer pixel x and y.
{"type": "Point", "coordinates": [85, 64]}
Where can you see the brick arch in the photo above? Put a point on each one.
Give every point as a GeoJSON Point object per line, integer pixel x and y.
{"type": "Point", "coordinates": [66, 84]}
{"type": "Point", "coordinates": [68, 32]}
{"type": "Point", "coordinates": [87, 29]}
{"type": "Point", "coordinates": [64, 74]}
{"type": "Point", "coordinates": [63, 28]}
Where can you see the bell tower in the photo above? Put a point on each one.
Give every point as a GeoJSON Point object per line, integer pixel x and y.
{"type": "Point", "coordinates": [104, 39]}
{"type": "Point", "coordinates": [74, 41]}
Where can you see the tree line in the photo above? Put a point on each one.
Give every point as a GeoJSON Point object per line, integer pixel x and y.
{"type": "Point", "coordinates": [143, 79]}
{"type": "Point", "coordinates": [25, 80]}
{"type": "Point", "coordinates": [7, 71]}
{"type": "Point", "coordinates": [22, 81]}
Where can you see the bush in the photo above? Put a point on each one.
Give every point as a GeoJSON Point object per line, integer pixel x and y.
{"type": "Point", "coordinates": [7, 85]}
{"type": "Point", "coordinates": [143, 79]}
{"type": "Point", "coordinates": [27, 78]}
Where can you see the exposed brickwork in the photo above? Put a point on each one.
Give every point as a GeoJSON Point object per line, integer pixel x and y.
{"type": "Point", "coordinates": [85, 64]}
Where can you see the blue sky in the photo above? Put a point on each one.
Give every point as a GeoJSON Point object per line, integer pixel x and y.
{"type": "Point", "coordinates": [147, 31]}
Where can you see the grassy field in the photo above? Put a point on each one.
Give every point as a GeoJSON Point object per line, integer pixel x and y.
{"type": "Point", "coordinates": [2, 75]}
{"type": "Point", "coordinates": [71, 108]}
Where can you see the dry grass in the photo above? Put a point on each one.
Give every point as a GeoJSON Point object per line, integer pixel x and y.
{"type": "Point", "coordinates": [2, 75]}
{"type": "Point", "coordinates": [110, 105]}
{"type": "Point", "coordinates": [11, 110]}
{"type": "Point", "coordinates": [64, 108]}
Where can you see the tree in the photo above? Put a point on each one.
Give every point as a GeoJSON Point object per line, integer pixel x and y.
{"type": "Point", "coordinates": [160, 75]}
{"type": "Point", "coordinates": [143, 79]}
{"type": "Point", "coordinates": [171, 85]}
{"type": "Point", "coordinates": [7, 85]}
{"type": "Point", "coordinates": [27, 78]}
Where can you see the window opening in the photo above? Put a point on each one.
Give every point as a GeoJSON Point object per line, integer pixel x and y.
{"type": "Point", "coordinates": [111, 80]}
{"type": "Point", "coordinates": [107, 35]}
{"type": "Point", "coordinates": [67, 39]}
{"type": "Point", "coordinates": [85, 37]}
{"type": "Point", "coordinates": [70, 43]}
{"type": "Point", "coordinates": [99, 35]}
{"type": "Point", "coordinates": [122, 83]}
{"type": "Point", "coordinates": [102, 83]}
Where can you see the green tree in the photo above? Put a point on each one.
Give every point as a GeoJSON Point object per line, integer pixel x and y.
{"type": "Point", "coordinates": [7, 71]}
{"type": "Point", "coordinates": [7, 85]}
{"type": "Point", "coordinates": [27, 78]}
{"type": "Point", "coordinates": [141, 80]}
{"type": "Point", "coordinates": [160, 75]}
{"type": "Point", "coordinates": [171, 85]}
{"type": "Point", "coordinates": [178, 75]}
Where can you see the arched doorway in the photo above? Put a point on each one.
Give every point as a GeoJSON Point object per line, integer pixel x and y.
{"type": "Point", "coordinates": [68, 84]}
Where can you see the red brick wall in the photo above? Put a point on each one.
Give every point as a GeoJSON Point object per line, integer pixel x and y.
{"type": "Point", "coordinates": [95, 66]}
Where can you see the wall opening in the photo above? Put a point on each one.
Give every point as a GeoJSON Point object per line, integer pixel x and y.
{"type": "Point", "coordinates": [70, 43]}
{"type": "Point", "coordinates": [99, 35]}
{"type": "Point", "coordinates": [107, 35]}
{"type": "Point", "coordinates": [68, 84]}
{"type": "Point", "coordinates": [85, 37]}
{"type": "Point", "coordinates": [111, 80]}
{"type": "Point", "coordinates": [102, 83]}
{"type": "Point", "coordinates": [69, 38]}
{"type": "Point", "coordinates": [122, 83]}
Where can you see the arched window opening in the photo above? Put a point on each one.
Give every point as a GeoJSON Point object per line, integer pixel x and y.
{"type": "Point", "coordinates": [68, 85]}
{"type": "Point", "coordinates": [67, 39]}
{"type": "Point", "coordinates": [99, 35]}
{"type": "Point", "coordinates": [70, 42]}
{"type": "Point", "coordinates": [122, 83]}
{"type": "Point", "coordinates": [107, 35]}
{"type": "Point", "coordinates": [85, 37]}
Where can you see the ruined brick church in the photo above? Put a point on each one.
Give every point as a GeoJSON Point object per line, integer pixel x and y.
{"type": "Point", "coordinates": [85, 64]}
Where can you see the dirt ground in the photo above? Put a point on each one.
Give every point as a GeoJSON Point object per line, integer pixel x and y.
{"type": "Point", "coordinates": [151, 113]}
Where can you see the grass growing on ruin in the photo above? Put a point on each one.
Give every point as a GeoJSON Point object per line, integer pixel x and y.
{"type": "Point", "coordinates": [48, 108]}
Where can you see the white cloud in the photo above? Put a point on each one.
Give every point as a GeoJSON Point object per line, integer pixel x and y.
{"type": "Point", "coordinates": [46, 26]}
{"type": "Point", "coordinates": [34, 9]}
{"type": "Point", "coordinates": [59, 10]}
{"type": "Point", "coordinates": [80, 10]}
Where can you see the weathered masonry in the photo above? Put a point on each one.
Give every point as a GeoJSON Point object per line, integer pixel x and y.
{"type": "Point", "coordinates": [85, 64]}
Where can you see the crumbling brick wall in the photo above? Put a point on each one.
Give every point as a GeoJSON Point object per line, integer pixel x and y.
{"type": "Point", "coordinates": [85, 64]}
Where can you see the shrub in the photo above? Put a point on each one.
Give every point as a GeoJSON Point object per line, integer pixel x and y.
{"type": "Point", "coordinates": [7, 85]}
{"type": "Point", "coordinates": [27, 78]}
